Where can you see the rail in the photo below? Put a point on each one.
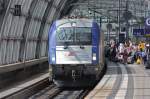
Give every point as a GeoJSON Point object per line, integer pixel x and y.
{"type": "Point", "coordinates": [26, 89]}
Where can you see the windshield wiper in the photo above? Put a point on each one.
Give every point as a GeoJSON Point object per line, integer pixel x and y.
{"type": "Point", "coordinates": [65, 46]}
{"type": "Point", "coordinates": [81, 46]}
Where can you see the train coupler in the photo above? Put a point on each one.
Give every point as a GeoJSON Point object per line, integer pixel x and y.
{"type": "Point", "coordinates": [74, 75]}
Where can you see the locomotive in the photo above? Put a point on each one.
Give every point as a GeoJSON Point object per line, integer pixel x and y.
{"type": "Point", "coordinates": [76, 52]}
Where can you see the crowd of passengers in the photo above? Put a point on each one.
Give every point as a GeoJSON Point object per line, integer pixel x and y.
{"type": "Point", "coordinates": [129, 52]}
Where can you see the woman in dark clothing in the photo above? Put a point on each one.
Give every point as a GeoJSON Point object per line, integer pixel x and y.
{"type": "Point", "coordinates": [125, 56]}
{"type": "Point", "coordinates": [113, 54]}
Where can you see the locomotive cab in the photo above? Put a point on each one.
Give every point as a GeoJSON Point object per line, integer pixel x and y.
{"type": "Point", "coordinates": [74, 52]}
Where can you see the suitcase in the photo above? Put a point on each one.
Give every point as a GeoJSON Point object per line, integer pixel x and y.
{"type": "Point", "coordinates": [147, 65]}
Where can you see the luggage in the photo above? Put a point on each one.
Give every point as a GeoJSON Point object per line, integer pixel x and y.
{"type": "Point", "coordinates": [147, 65]}
{"type": "Point", "coordinates": [129, 60]}
{"type": "Point", "coordinates": [120, 57]}
{"type": "Point", "coordinates": [139, 61]}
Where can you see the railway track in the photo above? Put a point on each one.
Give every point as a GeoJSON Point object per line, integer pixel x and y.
{"type": "Point", "coordinates": [72, 94]}
{"type": "Point", "coordinates": [42, 89]}
{"type": "Point", "coordinates": [53, 92]}
{"type": "Point", "coordinates": [26, 89]}
{"type": "Point", "coordinates": [47, 93]}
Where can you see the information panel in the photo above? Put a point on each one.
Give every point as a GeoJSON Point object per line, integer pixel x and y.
{"type": "Point", "coordinates": [138, 32]}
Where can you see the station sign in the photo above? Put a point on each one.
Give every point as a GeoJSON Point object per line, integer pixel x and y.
{"type": "Point", "coordinates": [147, 22]}
{"type": "Point", "coordinates": [147, 27]}
{"type": "Point", "coordinates": [138, 32]}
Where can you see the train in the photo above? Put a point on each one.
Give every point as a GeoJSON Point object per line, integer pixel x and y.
{"type": "Point", "coordinates": [76, 52]}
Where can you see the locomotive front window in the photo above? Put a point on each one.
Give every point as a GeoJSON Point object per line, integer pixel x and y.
{"type": "Point", "coordinates": [65, 35]}
{"type": "Point", "coordinates": [83, 35]}
{"type": "Point", "coordinates": [74, 35]}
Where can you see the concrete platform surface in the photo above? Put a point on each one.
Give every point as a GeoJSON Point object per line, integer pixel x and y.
{"type": "Point", "coordinates": [130, 81]}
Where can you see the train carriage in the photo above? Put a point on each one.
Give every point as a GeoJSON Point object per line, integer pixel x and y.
{"type": "Point", "coordinates": [75, 52]}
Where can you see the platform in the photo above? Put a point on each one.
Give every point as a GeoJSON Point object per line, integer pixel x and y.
{"type": "Point", "coordinates": [21, 86]}
{"type": "Point", "coordinates": [19, 65]}
{"type": "Point", "coordinates": [121, 81]}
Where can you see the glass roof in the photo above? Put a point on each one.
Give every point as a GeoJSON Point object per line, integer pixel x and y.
{"type": "Point", "coordinates": [112, 9]}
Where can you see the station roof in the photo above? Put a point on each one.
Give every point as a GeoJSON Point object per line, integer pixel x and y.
{"type": "Point", "coordinates": [113, 9]}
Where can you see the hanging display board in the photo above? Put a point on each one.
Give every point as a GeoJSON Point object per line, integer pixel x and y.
{"type": "Point", "coordinates": [138, 32]}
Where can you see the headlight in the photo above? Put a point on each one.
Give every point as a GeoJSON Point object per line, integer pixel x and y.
{"type": "Point", "coordinates": [96, 69]}
{"type": "Point", "coordinates": [94, 56]}
{"type": "Point", "coordinates": [53, 59]}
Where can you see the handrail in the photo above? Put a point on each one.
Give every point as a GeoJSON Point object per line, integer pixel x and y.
{"type": "Point", "coordinates": [20, 65]}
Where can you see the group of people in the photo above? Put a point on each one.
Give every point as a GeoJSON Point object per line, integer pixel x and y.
{"type": "Point", "coordinates": [129, 52]}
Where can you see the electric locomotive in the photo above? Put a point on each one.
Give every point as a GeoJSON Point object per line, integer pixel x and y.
{"type": "Point", "coordinates": [76, 52]}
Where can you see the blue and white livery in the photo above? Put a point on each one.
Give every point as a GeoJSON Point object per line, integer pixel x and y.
{"type": "Point", "coordinates": [75, 52]}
